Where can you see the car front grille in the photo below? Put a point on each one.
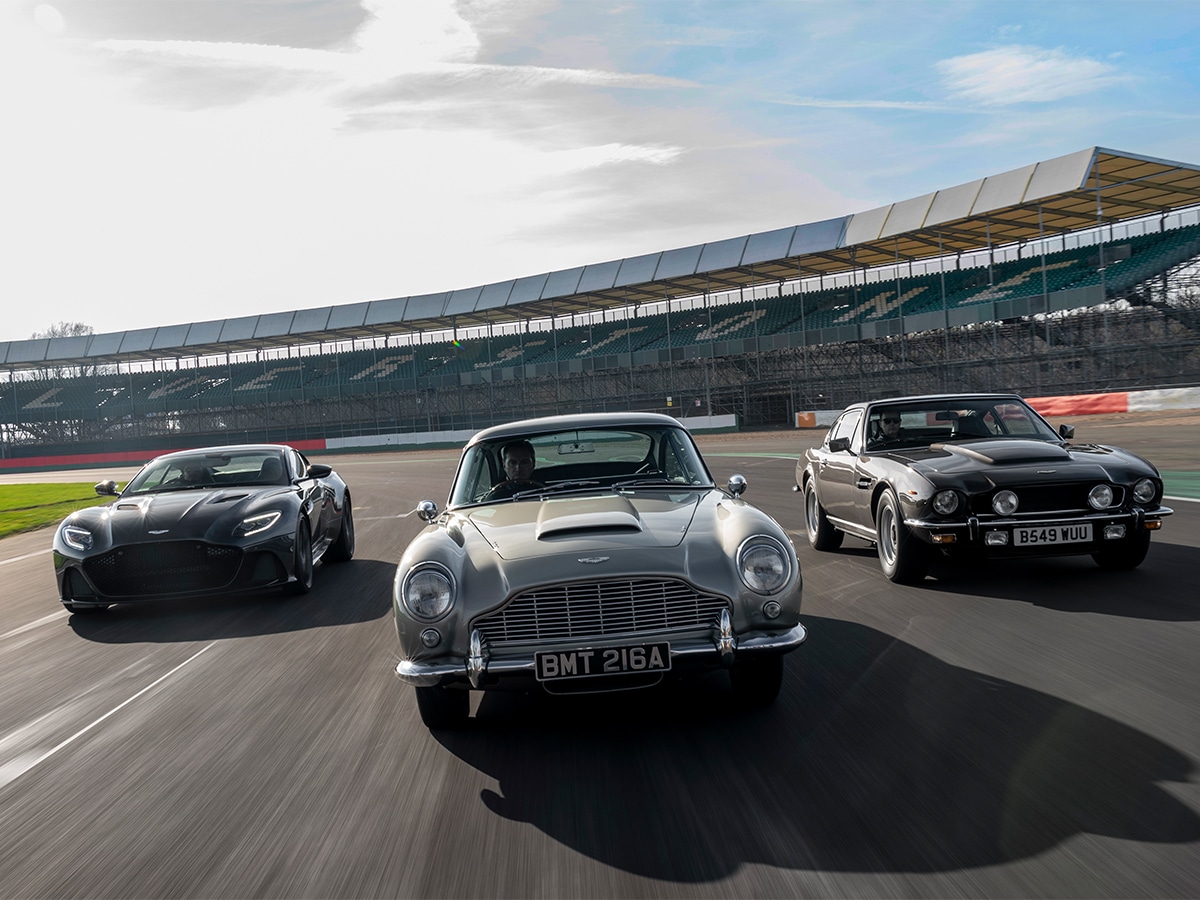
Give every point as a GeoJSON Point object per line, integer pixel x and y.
{"type": "Point", "coordinates": [597, 609]}
{"type": "Point", "coordinates": [1048, 498]}
{"type": "Point", "coordinates": [170, 567]}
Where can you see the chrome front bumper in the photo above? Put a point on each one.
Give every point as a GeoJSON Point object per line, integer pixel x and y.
{"type": "Point", "coordinates": [722, 649]}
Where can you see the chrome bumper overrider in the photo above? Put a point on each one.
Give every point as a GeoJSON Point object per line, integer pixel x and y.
{"type": "Point", "coordinates": [723, 648]}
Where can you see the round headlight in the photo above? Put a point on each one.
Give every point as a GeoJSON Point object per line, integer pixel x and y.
{"type": "Point", "coordinates": [1145, 490]}
{"type": "Point", "coordinates": [763, 566]}
{"type": "Point", "coordinates": [1100, 497]}
{"type": "Point", "coordinates": [1005, 503]}
{"type": "Point", "coordinates": [945, 502]}
{"type": "Point", "coordinates": [427, 592]}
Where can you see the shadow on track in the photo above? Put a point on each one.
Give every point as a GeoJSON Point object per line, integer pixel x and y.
{"type": "Point", "coordinates": [878, 757]}
{"type": "Point", "coordinates": [345, 594]}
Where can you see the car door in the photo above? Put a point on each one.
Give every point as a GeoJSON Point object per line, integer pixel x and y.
{"type": "Point", "coordinates": [836, 471]}
{"type": "Point", "coordinates": [315, 504]}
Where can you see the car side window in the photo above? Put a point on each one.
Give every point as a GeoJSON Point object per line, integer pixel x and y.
{"type": "Point", "coordinates": [845, 427]}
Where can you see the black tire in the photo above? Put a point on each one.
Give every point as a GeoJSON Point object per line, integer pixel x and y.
{"type": "Point", "coordinates": [302, 564]}
{"type": "Point", "coordinates": [342, 550]}
{"type": "Point", "coordinates": [443, 708]}
{"type": "Point", "coordinates": [1128, 554]}
{"type": "Point", "coordinates": [756, 681]}
{"type": "Point", "coordinates": [821, 534]}
{"type": "Point", "coordinates": [902, 556]}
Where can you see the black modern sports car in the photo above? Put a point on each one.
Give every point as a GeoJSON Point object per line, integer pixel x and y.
{"type": "Point", "coordinates": [216, 520]}
{"type": "Point", "coordinates": [974, 475]}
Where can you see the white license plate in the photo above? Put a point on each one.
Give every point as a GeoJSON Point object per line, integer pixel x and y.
{"type": "Point", "coordinates": [1053, 534]}
{"type": "Point", "coordinates": [587, 663]}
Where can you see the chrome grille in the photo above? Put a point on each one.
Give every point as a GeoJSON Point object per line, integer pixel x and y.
{"type": "Point", "coordinates": [595, 609]}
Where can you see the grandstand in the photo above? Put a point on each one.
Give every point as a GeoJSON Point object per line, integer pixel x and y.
{"type": "Point", "coordinates": [1075, 275]}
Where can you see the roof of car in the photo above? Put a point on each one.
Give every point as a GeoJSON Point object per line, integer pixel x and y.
{"type": "Point", "coordinates": [938, 398]}
{"type": "Point", "coordinates": [236, 448]}
{"type": "Point", "coordinates": [568, 423]}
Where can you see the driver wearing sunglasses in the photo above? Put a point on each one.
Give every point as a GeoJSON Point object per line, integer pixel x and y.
{"type": "Point", "coordinates": [889, 431]}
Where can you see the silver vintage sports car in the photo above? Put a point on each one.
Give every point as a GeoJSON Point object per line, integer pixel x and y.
{"type": "Point", "coordinates": [588, 553]}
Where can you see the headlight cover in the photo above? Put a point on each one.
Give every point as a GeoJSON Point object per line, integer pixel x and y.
{"type": "Point", "coordinates": [1145, 490]}
{"type": "Point", "coordinates": [257, 523]}
{"type": "Point", "coordinates": [945, 502]}
{"type": "Point", "coordinates": [763, 565]}
{"type": "Point", "coordinates": [79, 538]}
{"type": "Point", "coordinates": [1100, 497]}
{"type": "Point", "coordinates": [428, 592]}
{"type": "Point", "coordinates": [1005, 503]}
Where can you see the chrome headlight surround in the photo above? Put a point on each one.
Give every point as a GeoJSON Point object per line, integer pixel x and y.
{"type": "Point", "coordinates": [77, 537]}
{"type": "Point", "coordinates": [945, 503]}
{"type": "Point", "coordinates": [257, 523]}
{"type": "Point", "coordinates": [763, 564]}
{"type": "Point", "coordinates": [1100, 497]}
{"type": "Point", "coordinates": [1005, 503]}
{"type": "Point", "coordinates": [428, 591]}
{"type": "Point", "coordinates": [1144, 491]}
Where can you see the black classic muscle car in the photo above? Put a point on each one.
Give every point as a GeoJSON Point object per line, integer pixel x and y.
{"type": "Point", "coordinates": [974, 475]}
{"type": "Point", "coordinates": [592, 553]}
{"type": "Point", "coordinates": [216, 520]}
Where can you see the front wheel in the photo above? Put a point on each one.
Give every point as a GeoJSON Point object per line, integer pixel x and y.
{"type": "Point", "coordinates": [443, 708]}
{"type": "Point", "coordinates": [821, 533]}
{"type": "Point", "coordinates": [1126, 554]}
{"type": "Point", "coordinates": [302, 564]}
{"type": "Point", "coordinates": [342, 550]}
{"type": "Point", "coordinates": [902, 556]}
{"type": "Point", "coordinates": [756, 682]}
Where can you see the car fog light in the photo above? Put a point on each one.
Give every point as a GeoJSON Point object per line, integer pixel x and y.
{"type": "Point", "coordinates": [1005, 503]}
{"type": "Point", "coordinates": [996, 538]}
{"type": "Point", "coordinates": [430, 637]}
{"type": "Point", "coordinates": [771, 609]}
{"type": "Point", "coordinates": [1114, 532]}
{"type": "Point", "coordinates": [1100, 497]}
{"type": "Point", "coordinates": [942, 538]}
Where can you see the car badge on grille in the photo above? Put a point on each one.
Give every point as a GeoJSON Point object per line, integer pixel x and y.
{"type": "Point", "coordinates": [592, 560]}
{"type": "Point", "coordinates": [159, 531]}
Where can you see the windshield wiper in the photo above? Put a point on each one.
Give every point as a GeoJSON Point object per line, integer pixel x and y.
{"type": "Point", "coordinates": [660, 481]}
{"type": "Point", "coordinates": [556, 488]}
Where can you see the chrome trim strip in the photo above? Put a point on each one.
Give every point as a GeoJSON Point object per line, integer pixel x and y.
{"type": "Point", "coordinates": [448, 670]}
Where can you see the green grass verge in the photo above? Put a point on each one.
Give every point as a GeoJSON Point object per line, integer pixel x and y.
{"type": "Point", "coordinates": [25, 507]}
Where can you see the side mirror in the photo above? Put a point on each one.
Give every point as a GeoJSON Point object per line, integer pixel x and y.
{"type": "Point", "coordinates": [107, 488]}
{"type": "Point", "coordinates": [737, 485]}
{"type": "Point", "coordinates": [319, 470]}
{"type": "Point", "coordinates": [839, 445]}
{"type": "Point", "coordinates": [1066, 431]}
{"type": "Point", "coordinates": [427, 510]}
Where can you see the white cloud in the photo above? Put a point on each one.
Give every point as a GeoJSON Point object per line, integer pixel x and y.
{"type": "Point", "coordinates": [1007, 76]}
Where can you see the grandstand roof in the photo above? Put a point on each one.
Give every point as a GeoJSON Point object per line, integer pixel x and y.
{"type": "Point", "coordinates": [1069, 193]}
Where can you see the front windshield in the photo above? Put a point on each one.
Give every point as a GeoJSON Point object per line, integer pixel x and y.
{"type": "Point", "coordinates": [197, 471]}
{"type": "Point", "coordinates": [892, 426]}
{"type": "Point", "coordinates": [560, 461]}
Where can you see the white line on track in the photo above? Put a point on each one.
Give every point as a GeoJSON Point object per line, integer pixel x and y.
{"type": "Point", "coordinates": [4, 562]}
{"type": "Point", "coordinates": [19, 767]}
{"type": "Point", "coordinates": [34, 624]}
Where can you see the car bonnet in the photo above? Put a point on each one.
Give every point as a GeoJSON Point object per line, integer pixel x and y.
{"type": "Point", "coordinates": [577, 524]}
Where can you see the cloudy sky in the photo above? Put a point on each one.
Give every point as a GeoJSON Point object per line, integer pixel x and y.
{"type": "Point", "coordinates": [167, 161]}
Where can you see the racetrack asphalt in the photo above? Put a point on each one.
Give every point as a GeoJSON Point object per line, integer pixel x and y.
{"type": "Point", "coordinates": [1028, 729]}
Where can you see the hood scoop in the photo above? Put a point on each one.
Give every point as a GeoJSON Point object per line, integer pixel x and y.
{"type": "Point", "coordinates": [1007, 451]}
{"type": "Point", "coordinates": [595, 515]}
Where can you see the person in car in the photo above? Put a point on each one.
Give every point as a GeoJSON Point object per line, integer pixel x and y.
{"type": "Point", "coordinates": [888, 432]}
{"type": "Point", "coordinates": [518, 462]}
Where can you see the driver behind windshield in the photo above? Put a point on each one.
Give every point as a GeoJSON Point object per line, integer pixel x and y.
{"type": "Point", "coordinates": [888, 432]}
{"type": "Point", "coordinates": [518, 463]}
